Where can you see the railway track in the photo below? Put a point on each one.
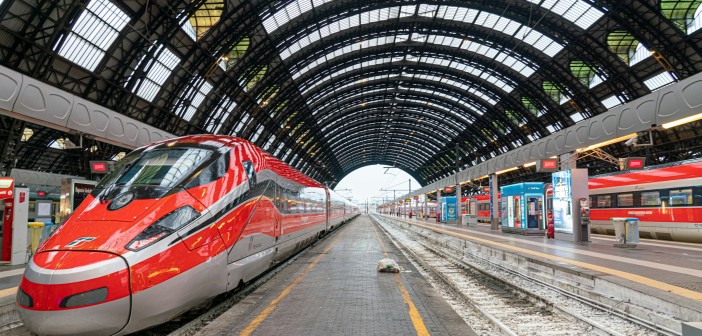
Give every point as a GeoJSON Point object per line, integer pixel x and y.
{"type": "Point", "coordinates": [512, 303]}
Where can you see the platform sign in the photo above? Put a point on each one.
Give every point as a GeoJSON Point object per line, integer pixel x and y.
{"type": "Point", "coordinates": [98, 167]}
{"type": "Point", "coordinates": [7, 186]}
{"type": "Point", "coordinates": [448, 190]}
{"type": "Point", "coordinates": [632, 163]}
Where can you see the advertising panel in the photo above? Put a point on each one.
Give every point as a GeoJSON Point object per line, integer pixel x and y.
{"type": "Point", "coordinates": [7, 184]}
{"type": "Point", "coordinates": [562, 201]}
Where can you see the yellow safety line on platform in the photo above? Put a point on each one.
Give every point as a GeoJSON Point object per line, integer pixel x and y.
{"type": "Point", "coordinates": [262, 316]}
{"type": "Point", "coordinates": [626, 275]}
{"type": "Point", "coordinates": [414, 314]}
{"type": "Point", "coordinates": [8, 292]}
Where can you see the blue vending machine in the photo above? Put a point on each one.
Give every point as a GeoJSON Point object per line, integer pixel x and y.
{"type": "Point", "coordinates": [448, 208]}
{"type": "Point", "coordinates": [522, 206]}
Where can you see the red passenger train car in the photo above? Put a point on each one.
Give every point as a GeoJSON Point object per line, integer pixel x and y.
{"type": "Point", "coordinates": [666, 200]}
{"type": "Point", "coordinates": [175, 223]}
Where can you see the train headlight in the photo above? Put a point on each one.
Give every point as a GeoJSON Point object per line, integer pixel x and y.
{"type": "Point", "coordinates": [121, 200]}
{"type": "Point", "coordinates": [163, 227]}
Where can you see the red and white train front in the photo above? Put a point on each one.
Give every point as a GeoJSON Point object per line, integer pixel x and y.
{"type": "Point", "coordinates": [105, 269]}
{"type": "Point", "coordinates": [174, 224]}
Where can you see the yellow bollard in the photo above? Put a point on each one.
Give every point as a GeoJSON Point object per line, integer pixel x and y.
{"type": "Point", "coordinates": [35, 228]}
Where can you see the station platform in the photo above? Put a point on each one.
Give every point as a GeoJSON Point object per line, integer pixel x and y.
{"type": "Point", "coordinates": [657, 274]}
{"type": "Point", "coordinates": [335, 289]}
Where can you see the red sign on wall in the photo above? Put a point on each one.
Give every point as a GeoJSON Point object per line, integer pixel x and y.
{"type": "Point", "coordinates": [547, 165]}
{"type": "Point", "coordinates": [7, 185]}
{"type": "Point", "coordinates": [98, 167]}
{"type": "Point", "coordinates": [635, 164]}
{"type": "Point", "coordinates": [448, 189]}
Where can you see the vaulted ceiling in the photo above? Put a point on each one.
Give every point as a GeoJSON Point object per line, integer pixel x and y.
{"type": "Point", "coordinates": [331, 86]}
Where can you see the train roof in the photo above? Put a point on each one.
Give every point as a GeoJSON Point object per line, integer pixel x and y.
{"type": "Point", "coordinates": [679, 171]}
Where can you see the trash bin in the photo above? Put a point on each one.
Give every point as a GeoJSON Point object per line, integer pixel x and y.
{"type": "Point", "coordinates": [626, 231]}
{"type": "Point", "coordinates": [35, 234]}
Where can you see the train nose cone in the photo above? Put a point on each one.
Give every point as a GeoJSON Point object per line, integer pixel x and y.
{"type": "Point", "coordinates": [75, 293]}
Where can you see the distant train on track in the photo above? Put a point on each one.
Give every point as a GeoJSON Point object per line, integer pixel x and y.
{"type": "Point", "coordinates": [174, 224]}
{"type": "Point", "coordinates": [667, 200]}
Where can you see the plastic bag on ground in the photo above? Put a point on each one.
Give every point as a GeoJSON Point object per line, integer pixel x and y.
{"type": "Point", "coordinates": [388, 265]}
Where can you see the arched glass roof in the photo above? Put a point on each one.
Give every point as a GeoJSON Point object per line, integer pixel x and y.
{"type": "Point", "coordinates": [329, 85]}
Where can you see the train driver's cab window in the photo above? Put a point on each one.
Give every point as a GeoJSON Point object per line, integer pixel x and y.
{"type": "Point", "coordinates": [604, 201]}
{"type": "Point", "coordinates": [250, 172]}
{"type": "Point", "coordinates": [681, 197]}
{"type": "Point", "coordinates": [625, 200]}
{"type": "Point", "coordinates": [211, 173]}
{"type": "Point", "coordinates": [650, 198]}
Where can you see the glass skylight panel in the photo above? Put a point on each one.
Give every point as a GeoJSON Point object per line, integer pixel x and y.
{"type": "Point", "coordinates": [225, 108]}
{"type": "Point", "coordinates": [198, 94]}
{"type": "Point", "coordinates": [611, 102]}
{"type": "Point", "coordinates": [269, 142]}
{"type": "Point", "coordinates": [159, 70]}
{"type": "Point", "coordinates": [94, 31]}
{"type": "Point", "coordinates": [696, 23]}
{"type": "Point", "coordinates": [577, 11]}
{"type": "Point", "coordinates": [259, 130]}
{"type": "Point", "coordinates": [658, 81]}
{"type": "Point", "coordinates": [577, 116]}
{"type": "Point", "coordinates": [597, 80]}
{"type": "Point", "coordinates": [640, 54]}
{"type": "Point", "coordinates": [551, 128]}
{"type": "Point", "coordinates": [188, 28]}
{"type": "Point", "coordinates": [242, 122]}
{"type": "Point", "coordinates": [539, 41]}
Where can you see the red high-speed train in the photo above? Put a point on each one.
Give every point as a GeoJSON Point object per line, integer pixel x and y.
{"type": "Point", "coordinates": [175, 223]}
{"type": "Point", "coordinates": [666, 200]}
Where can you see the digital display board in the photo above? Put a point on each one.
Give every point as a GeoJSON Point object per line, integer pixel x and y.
{"type": "Point", "coordinates": [562, 201]}
{"type": "Point", "coordinates": [547, 165]}
{"type": "Point", "coordinates": [98, 167]}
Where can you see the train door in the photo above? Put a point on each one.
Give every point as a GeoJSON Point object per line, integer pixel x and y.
{"type": "Point", "coordinates": [473, 211]}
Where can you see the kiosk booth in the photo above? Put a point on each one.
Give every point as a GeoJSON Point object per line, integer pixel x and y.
{"type": "Point", "coordinates": [522, 208]}
{"type": "Point", "coordinates": [448, 208]}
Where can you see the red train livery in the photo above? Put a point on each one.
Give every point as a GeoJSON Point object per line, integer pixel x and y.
{"type": "Point", "coordinates": [666, 200]}
{"type": "Point", "coordinates": [175, 223]}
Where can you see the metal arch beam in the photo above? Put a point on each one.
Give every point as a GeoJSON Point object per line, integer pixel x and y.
{"type": "Point", "coordinates": [388, 149]}
{"type": "Point", "coordinates": [437, 51]}
{"type": "Point", "coordinates": [409, 109]}
{"type": "Point", "coordinates": [372, 138]}
{"type": "Point", "coordinates": [372, 132]}
{"type": "Point", "coordinates": [480, 122]}
{"type": "Point", "coordinates": [395, 155]}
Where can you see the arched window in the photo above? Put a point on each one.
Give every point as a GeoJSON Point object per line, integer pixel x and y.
{"type": "Point", "coordinates": [586, 73]}
{"type": "Point", "coordinates": [554, 91]}
{"type": "Point", "coordinates": [627, 47]}
{"type": "Point", "coordinates": [685, 14]}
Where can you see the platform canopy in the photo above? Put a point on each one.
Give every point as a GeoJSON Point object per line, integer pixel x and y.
{"type": "Point", "coordinates": [331, 86]}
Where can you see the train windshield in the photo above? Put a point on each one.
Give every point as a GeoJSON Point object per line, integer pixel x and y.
{"type": "Point", "coordinates": [163, 167]}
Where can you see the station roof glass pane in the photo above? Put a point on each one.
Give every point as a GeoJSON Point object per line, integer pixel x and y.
{"type": "Point", "coordinates": [95, 30]}
{"type": "Point", "coordinates": [492, 21]}
{"type": "Point", "coordinates": [658, 81]}
{"type": "Point", "coordinates": [578, 12]}
{"type": "Point", "coordinates": [196, 94]}
{"type": "Point", "coordinates": [158, 71]}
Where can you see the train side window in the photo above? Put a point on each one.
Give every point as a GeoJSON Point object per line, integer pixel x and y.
{"type": "Point", "coordinates": [625, 200]}
{"type": "Point", "coordinates": [590, 200]}
{"type": "Point", "coordinates": [697, 195]}
{"type": "Point", "coordinates": [604, 201]}
{"type": "Point", "coordinates": [650, 198]}
{"type": "Point", "coordinates": [681, 197]}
